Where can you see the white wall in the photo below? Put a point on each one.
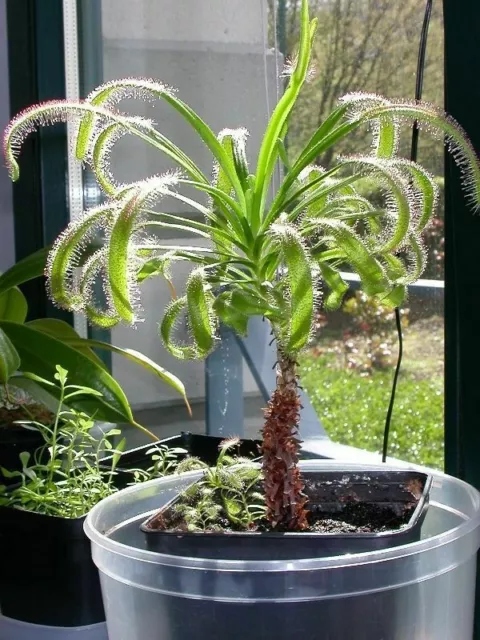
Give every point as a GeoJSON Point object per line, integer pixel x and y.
{"type": "Point", "coordinates": [213, 52]}
{"type": "Point", "coordinates": [185, 21]}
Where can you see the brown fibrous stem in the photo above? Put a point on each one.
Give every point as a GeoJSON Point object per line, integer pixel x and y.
{"type": "Point", "coordinates": [283, 484]}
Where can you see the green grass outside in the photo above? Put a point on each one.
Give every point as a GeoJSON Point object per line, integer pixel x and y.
{"type": "Point", "coordinates": [353, 407]}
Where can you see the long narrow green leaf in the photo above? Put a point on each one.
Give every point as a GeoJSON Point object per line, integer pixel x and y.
{"type": "Point", "coordinates": [13, 305]}
{"type": "Point", "coordinates": [420, 257]}
{"type": "Point", "coordinates": [269, 150]}
{"type": "Point", "coordinates": [458, 143]}
{"type": "Point", "coordinates": [178, 248]}
{"type": "Point", "coordinates": [64, 332]}
{"type": "Point", "coordinates": [411, 266]}
{"type": "Point", "coordinates": [50, 113]}
{"type": "Point", "coordinates": [310, 154]}
{"type": "Point", "coordinates": [222, 199]}
{"type": "Point", "coordinates": [357, 254]}
{"type": "Point", "coordinates": [102, 146]}
{"type": "Point", "coordinates": [153, 137]}
{"type": "Point", "coordinates": [394, 267]}
{"type": "Point", "coordinates": [395, 298]}
{"type": "Point", "coordinates": [304, 161]}
{"type": "Point", "coordinates": [66, 253]}
{"type": "Point", "coordinates": [9, 358]}
{"type": "Point", "coordinates": [318, 197]}
{"type": "Point", "coordinates": [221, 217]}
{"type": "Point", "coordinates": [300, 288]}
{"type": "Point", "coordinates": [116, 90]}
{"type": "Point", "coordinates": [119, 272]}
{"type": "Point", "coordinates": [122, 245]}
{"type": "Point", "coordinates": [219, 232]}
{"type": "Point", "coordinates": [102, 315]}
{"type": "Point", "coordinates": [138, 358]}
{"type": "Point", "coordinates": [402, 200]}
{"type": "Point", "coordinates": [386, 128]}
{"type": "Point", "coordinates": [143, 129]}
{"type": "Point", "coordinates": [425, 185]}
{"type": "Point", "coordinates": [33, 266]}
{"type": "Point", "coordinates": [323, 130]}
{"type": "Point", "coordinates": [40, 353]}
{"type": "Point", "coordinates": [294, 194]}
{"type": "Point", "coordinates": [387, 137]}
{"type": "Point", "coordinates": [337, 285]}
{"type": "Point", "coordinates": [200, 313]}
{"type": "Point", "coordinates": [173, 225]}
{"type": "Point", "coordinates": [233, 143]}
{"type": "Point", "coordinates": [210, 140]}
{"type": "Point", "coordinates": [167, 326]}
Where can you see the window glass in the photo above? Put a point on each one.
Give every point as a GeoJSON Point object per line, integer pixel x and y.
{"type": "Point", "coordinates": [215, 54]}
{"type": "Point", "coordinates": [372, 46]}
{"type": "Point", "coordinates": [221, 56]}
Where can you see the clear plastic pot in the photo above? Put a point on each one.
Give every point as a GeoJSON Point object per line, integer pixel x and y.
{"type": "Point", "coordinates": [412, 592]}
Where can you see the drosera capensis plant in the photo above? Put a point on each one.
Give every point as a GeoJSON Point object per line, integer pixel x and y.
{"type": "Point", "coordinates": [280, 258]}
{"type": "Point", "coordinates": [227, 496]}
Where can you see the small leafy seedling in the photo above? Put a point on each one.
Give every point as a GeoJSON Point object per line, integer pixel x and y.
{"type": "Point", "coordinates": [165, 461]}
{"type": "Point", "coordinates": [227, 497]}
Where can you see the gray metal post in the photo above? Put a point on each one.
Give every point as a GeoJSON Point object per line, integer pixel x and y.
{"type": "Point", "coordinates": [224, 407]}
{"type": "Point", "coordinates": [224, 381]}
{"type": "Point", "coordinates": [260, 354]}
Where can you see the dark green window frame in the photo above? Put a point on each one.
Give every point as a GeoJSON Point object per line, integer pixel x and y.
{"type": "Point", "coordinates": [37, 73]}
{"type": "Point", "coordinates": [462, 267]}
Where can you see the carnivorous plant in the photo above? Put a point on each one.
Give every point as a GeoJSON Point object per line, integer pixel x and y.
{"type": "Point", "coordinates": [277, 255]}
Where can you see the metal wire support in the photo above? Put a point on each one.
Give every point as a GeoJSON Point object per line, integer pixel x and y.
{"type": "Point", "coordinates": [413, 156]}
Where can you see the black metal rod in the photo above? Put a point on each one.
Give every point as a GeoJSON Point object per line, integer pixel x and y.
{"type": "Point", "coordinates": [422, 50]}
{"type": "Point", "coordinates": [388, 419]}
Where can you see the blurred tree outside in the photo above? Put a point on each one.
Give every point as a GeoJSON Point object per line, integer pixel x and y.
{"type": "Point", "coordinates": [371, 46]}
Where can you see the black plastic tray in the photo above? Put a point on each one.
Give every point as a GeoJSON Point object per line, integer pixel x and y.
{"type": "Point", "coordinates": [327, 491]}
{"type": "Point", "coordinates": [195, 444]}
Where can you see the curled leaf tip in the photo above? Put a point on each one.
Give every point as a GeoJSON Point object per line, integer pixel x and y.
{"type": "Point", "coordinates": [291, 64]}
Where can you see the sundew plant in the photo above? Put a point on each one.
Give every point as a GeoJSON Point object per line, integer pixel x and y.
{"type": "Point", "coordinates": [278, 257]}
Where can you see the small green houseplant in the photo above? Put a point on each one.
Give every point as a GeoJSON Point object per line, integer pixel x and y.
{"type": "Point", "coordinates": [36, 347]}
{"type": "Point", "coordinates": [279, 258]}
{"type": "Point", "coordinates": [43, 508]}
{"type": "Point", "coordinates": [64, 477]}
{"type": "Point", "coordinates": [74, 468]}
